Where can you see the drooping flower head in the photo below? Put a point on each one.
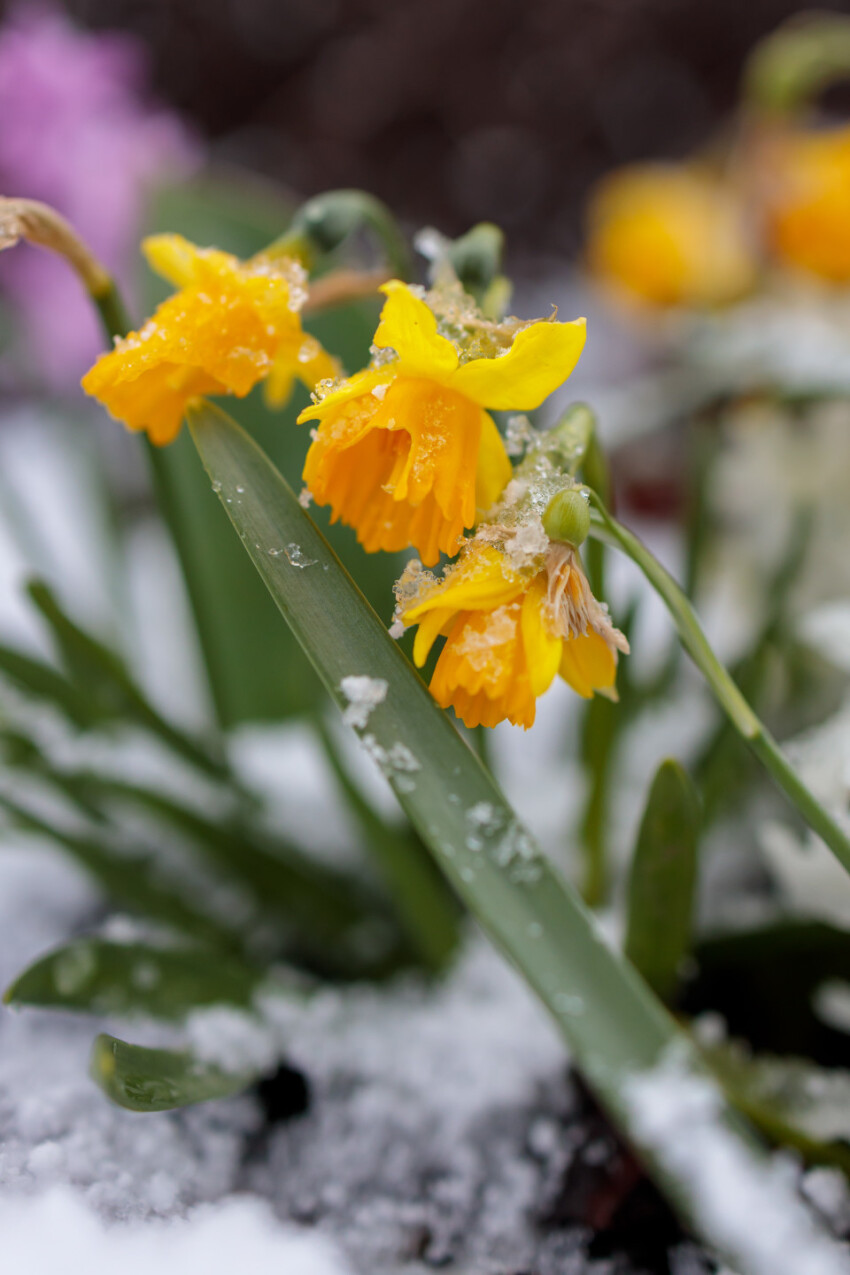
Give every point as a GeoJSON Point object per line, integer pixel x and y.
{"type": "Point", "coordinates": [805, 178]}
{"type": "Point", "coordinates": [516, 610]}
{"type": "Point", "coordinates": [669, 235]}
{"type": "Point", "coordinates": [405, 451]}
{"type": "Point", "coordinates": [229, 325]}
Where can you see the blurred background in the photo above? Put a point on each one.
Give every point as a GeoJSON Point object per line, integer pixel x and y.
{"type": "Point", "coordinates": [452, 111]}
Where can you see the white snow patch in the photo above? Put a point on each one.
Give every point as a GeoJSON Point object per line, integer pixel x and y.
{"type": "Point", "coordinates": [527, 544]}
{"type": "Point", "coordinates": [363, 694]}
{"type": "Point", "coordinates": [826, 629]}
{"type": "Point", "coordinates": [59, 1232]}
{"type": "Point", "coordinates": [748, 1205]}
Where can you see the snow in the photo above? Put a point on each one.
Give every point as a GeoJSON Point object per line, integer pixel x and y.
{"type": "Point", "coordinates": [416, 1137]}
{"type": "Point", "coordinates": [216, 1241]}
{"type": "Point", "coordinates": [363, 694]}
{"type": "Point", "coordinates": [746, 1202]}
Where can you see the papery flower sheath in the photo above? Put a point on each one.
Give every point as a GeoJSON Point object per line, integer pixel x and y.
{"type": "Point", "coordinates": [509, 631]}
{"type": "Point", "coordinates": [231, 324]}
{"type": "Point", "coordinates": [405, 451]}
{"type": "Point", "coordinates": [805, 180]}
{"type": "Point", "coordinates": [669, 235]}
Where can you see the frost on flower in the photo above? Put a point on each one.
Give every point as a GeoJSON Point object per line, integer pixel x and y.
{"type": "Point", "coordinates": [516, 609]}
{"type": "Point", "coordinates": [406, 451]}
{"type": "Point", "coordinates": [363, 695]}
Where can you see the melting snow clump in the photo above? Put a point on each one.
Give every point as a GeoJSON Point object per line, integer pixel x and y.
{"type": "Point", "coordinates": [363, 694]}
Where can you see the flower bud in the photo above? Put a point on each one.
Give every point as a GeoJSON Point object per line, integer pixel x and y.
{"type": "Point", "coordinates": [567, 517]}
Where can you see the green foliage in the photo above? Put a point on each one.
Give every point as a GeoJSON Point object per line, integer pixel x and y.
{"type": "Point", "coordinates": [142, 1079]}
{"type": "Point", "coordinates": [793, 1102]}
{"type": "Point", "coordinates": [100, 977]}
{"type": "Point", "coordinates": [425, 906]}
{"type": "Point", "coordinates": [663, 879]}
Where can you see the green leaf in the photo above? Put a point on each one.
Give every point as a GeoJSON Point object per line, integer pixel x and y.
{"type": "Point", "coordinates": [663, 878]}
{"type": "Point", "coordinates": [311, 912]}
{"type": "Point", "coordinates": [612, 1022]}
{"type": "Point", "coordinates": [794, 1102]}
{"type": "Point", "coordinates": [213, 210]}
{"type": "Point", "coordinates": [428, 912]}
{"type": "Point", "coordinates": [135, 880]}
{"type": "Point", "coordinates": [42, 682]}
{"type": "Point", "coordinates": [280, 875]}
{"type": "Point", "coordinates": [101, 977]}
{"type": "Point", "coordinates": [102, 676]}
{"type": "Point", "coordinates": [142, 1079]}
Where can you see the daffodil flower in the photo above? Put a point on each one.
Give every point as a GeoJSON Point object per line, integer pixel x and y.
{"type": "Point", "coordinates": [510, 631]}
{"type": "Point", "coordinates": [805, 180]}
{"type": "Point", "coordinates": [669, 235]}
{"type": "Point", "coordinates": [405, 451]}
{"type": "Point", "coordinates": [229, 325]}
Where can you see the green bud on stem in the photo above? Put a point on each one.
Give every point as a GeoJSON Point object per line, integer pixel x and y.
{"type": "Point", "coordinates": [567, 517]}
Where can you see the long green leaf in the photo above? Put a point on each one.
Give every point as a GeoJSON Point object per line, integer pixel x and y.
{"type": "Point", "coordinates": [42, 682]}
{"type": "Point", "coordinates": [427, 910]}
{"type": "Point", "coordinates": [281, 876]}
{"type": "Point", "coordinates": [662, 880]}
{"type": "Point", "coordinates": [100, 977]}
{"type": "Point", "coordinates": [613, 1024]}
{"type": "Point", "coordinates": [142, 1079]}
{"type": "Point", "coordinates": [135, 880]}
{"type": "Point", "coordinates": [101, 674]}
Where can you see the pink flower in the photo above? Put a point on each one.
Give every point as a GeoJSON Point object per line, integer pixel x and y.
{"type": "Point", "coordinates": [80, 135]}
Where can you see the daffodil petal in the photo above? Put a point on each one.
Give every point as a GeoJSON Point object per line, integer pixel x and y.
{"type": "Point", "coordinates": [540, 359]}
{"type": "Point", "coordinates": [588, 664]}
{"type": "Point", "coordinates": [410, 328]}
{"type": "Point", "coordinates": [494, 467]}
{"type": "Point", "coordinates": [542, 646]}
{"type": "Point", "coordinates": [172, 257]}
{"type": "Point", "coordinates": [361, 383]}
{"type": "Point", "coordinates": [428, 631]}
{"type": "Point", "coordinates": [481, 583]}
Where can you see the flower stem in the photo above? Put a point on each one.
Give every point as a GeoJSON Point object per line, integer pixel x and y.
{"type": "Point", "coordinates": [110, 306]}
{"type": "Point", "coordinates": [751, 729]}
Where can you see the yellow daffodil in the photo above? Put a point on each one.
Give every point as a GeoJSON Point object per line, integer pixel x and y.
{"type": "Point", "coordinates": [510, 630]}
{"type": "Point", "coordinates": [230, 325]}
{"type": "Point", "coordinates": [405, 451]}
{"type": "Point", "coordinates": [806, 181]}
{"type": "Point", "coordinates": [669, 235]}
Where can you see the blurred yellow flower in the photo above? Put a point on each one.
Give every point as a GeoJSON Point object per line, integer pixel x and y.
{"type": "Point", "coordinates": [405, 452]}
{"type": "Point", "coordinates": [806, 187]}
{"type": "Point", "coordinates": [230, 325]}
{"type": "Point", "coordinates": [510, 631]}
{"type": "Point", "coordinates": [669, 235]}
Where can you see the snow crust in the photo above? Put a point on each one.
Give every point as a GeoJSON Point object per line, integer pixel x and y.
{"type": "Point", "coordinates": [747, 1203]}
{"type": "Point", "coordinates": [57, 1232]}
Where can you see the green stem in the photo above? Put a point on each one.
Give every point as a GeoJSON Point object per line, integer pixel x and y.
{"type": "Point", "coordinates": [745, 721]}
{"type": "Point", "coordinates": [113, 313]}
{"type": "Point", "coordinates": [599, 738]}
{"type": "Point", "coordinates": [321, 225]}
